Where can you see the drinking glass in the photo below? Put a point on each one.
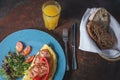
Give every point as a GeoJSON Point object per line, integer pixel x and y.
{"type": "Point", "coordinates": [51, 13]}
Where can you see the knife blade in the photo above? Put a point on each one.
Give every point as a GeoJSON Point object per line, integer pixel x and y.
{"type": "Point", "coordinates": [74, 62]}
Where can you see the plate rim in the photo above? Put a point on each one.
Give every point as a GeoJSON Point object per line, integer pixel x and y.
{"type": "Point", "coordinates": [44, 33]}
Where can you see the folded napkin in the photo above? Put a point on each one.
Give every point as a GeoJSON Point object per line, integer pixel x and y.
{"type": "Point", "coordinates": [87, 44]}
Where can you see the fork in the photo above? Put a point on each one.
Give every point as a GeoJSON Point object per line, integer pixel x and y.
{"type": "Point", "coordinates": [65, 39]}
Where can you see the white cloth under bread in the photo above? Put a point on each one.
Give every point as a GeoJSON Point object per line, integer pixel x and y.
{"type": "Point", "coordinates": [87, 44]}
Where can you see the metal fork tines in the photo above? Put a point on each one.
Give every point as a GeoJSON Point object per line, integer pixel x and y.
{"type": "Point", "coordinates": [65, 39]}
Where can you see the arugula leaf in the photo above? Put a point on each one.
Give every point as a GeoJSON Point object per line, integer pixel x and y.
{"type": "Point", "coordinates": [3, 73]}
{"type": "Point", "coordinates": [13, 66]}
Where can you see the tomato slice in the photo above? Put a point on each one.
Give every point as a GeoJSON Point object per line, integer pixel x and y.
{"type": "Point", "coordinates": [19, 46]}
{"type": "Point", "coordinates": [30, 59]}
{"type": "Point", "coordinates": [37, 78]}
{"type": "Point", "coordinates": [45, 63]}
{"type": "Point", "coordinates": [44, 69]}
{"type": "Point", "coordinates": [26, 51]}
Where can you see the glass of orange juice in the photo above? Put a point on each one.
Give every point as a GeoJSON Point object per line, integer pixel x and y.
{"type": "Point", "coordinates": [51, 13]}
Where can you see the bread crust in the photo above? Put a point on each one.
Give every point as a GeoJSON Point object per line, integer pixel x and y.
{"type": "Point", "coordinates": [101, 17]}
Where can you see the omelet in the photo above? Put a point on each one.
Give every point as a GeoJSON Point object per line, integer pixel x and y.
{"type": "Point", "coordinates": [45, 51]}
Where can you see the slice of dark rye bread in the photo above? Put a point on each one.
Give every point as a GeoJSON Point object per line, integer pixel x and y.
{"type": "Point", "coordinates": [98, 29]}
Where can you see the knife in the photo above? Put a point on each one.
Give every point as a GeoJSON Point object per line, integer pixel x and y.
{"type": "Point", "coordinates": [74, 62]}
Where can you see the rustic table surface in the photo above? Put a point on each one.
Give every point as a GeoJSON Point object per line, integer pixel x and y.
{"type": "Point", "coordinates": [26, 14]}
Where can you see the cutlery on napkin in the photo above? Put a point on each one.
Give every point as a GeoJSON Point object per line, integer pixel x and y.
{"type": "Point", "coordinates": [87, 44]}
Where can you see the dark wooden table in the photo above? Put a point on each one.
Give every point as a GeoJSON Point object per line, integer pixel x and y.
{"type": "Point", "coordinates": [26, 14]}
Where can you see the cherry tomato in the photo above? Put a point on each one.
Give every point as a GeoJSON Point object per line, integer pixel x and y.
{"type": "Point", "coordinates": [30, 59]}
{"type": "Point", "coordinates": [26, 51]}
{"type": "Point", "coordinates": [19, 46]}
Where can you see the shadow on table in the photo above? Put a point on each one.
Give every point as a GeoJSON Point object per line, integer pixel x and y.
{"type": "Point", "coordinates": [7, 5]}
{"type": "Point", "coordinates": [76, 8]}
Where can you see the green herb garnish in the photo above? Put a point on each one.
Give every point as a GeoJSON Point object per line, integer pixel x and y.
{"type": "Point", "coordinates": [13, 66]}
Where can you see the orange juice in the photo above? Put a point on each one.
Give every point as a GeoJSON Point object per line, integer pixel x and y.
{"type": "Point", "coordinates": [51, 14]}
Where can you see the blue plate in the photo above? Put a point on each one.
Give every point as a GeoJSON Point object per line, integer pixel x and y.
{"type": "Point", "coordinates": [36, 39]}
